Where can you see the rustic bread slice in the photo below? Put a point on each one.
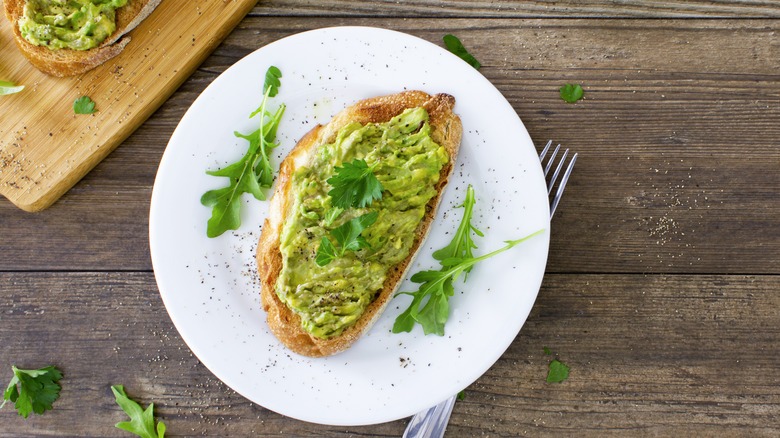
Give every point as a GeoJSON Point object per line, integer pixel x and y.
{"type": "Point", "coordinates": [284, 323]}
{"type": "Point", "coordinates": [68, 62]}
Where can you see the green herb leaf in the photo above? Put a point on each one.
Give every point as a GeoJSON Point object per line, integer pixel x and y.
{"type": "Point", "coordinates": [462, 243]}
{"type": "Point", "coordinates": [354, 185]}
{"type": "Point", "coordinates": [272, 82]}
{"type": "Point", "coordinates": [332, 215]}
{"type": "Point", "coordinates": [326, 252]}
{"type": "Point", "coordinates": [141, 421]}
{"type": "Point", "coordinates": [347, 236]}
{"type": "Point", "coordinates": [462, 395]}
{"type": "Point", "coordinates": [405, 321]}
{"type": "Point", "coordinates": [9, 88]}
{"type": "Point", "coordinates": [433, 315]}
{"type": "Point", "coordinates": [437, 287]}
{"type": "Point", "coordinates": [455, 46]}
{"type": "Point", "coordinates": [263, 170]}
{"type": "Point", "coordinates": [558, 372]}
{"type": "Point", "coordinates": [547, 350]}
{"type": "Point", "coordinates": [251, 173]}
{"type": "Point", "coordinates": [38, 389]}
{"type": "Point", "coordinates": [84, 105]}
{"type": "Point", "coordinates": [571, 93]}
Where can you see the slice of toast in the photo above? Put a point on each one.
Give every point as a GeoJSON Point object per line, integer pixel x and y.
{"type": "Point", "coordinates": [283, 322]}
{"type": "Point", "coordinates": [68, 62]}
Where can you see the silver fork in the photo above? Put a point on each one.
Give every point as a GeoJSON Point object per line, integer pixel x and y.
{"type": "Point", "coordinates": [432, 422]}
{"type": "Point", "coordinates": [566, 173]}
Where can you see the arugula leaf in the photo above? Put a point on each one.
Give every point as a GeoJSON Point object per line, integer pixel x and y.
{"type": "Point", "coordinates": [347, 236]}
{"type": "Point", "coordinates": [249, 174]}
{"type": "Point", "coordinates": [263, 170]}
{"type": "Point", "coordinates": [558, 372]}
{"type": "Point", "coordinates": [272, 81]}
{"type": "Point", "coordinates": [436, 310]}
{"type": "Point", "coordinates": [437, 287]}
{"type": "Point", "coordinates": [354, 185]}
{"type": "Point", "coordinates": [571, 93]}
{"type": "Point", "coordinates": [7, 87]}
{"type": "Point", "coordinates": [455, 46]}
{"type": "Point", "coordinates": [38, 389]}
{"type": "Point", "coordinates": [270, 88]}
{"type": "Point", "coordinates": [462, 244]}
{"type": "Point", "coordinates": [84, 105]}
{"type": "Point", "coordinates": [141, 421]}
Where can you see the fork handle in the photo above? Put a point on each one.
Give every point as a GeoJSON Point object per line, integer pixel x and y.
{"type": "Point", "coordinates": [431, 423]}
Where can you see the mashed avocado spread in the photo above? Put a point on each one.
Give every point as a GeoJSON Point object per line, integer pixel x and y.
{"type": "Point", "coordinates": [73, 24]}
{"type": "Point", "coordinates": [331, 298]}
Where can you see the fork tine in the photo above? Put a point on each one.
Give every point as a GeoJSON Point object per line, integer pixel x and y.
{"type": "Point", "coordinates": [544, 151]}
{"type": "Point", "coordinates": [557, 171]}
{"type": "Point", "coordinates": [552, 158]}
{"type": "Point", "coordinates": [562, 184]}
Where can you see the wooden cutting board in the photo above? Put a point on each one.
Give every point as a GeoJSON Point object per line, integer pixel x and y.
{"type": "Point", "coordinates": [45, 148]}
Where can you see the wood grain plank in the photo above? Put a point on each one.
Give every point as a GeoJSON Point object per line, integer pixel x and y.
{"type": "Point", "coordinates": [677, 135]}
{"type": "Point", "coordinates": [45, 148]}
{"type": "Point", "coordinates": [523, 8]}
{"type": "Point", "coordinates": [649, 355]}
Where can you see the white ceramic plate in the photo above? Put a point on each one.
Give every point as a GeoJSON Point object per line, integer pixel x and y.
{"type": "Point", "coordinates": [210, 288]}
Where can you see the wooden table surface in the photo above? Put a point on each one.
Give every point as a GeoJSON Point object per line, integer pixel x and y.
{"type": "Point", "coordinates": [662, 289]}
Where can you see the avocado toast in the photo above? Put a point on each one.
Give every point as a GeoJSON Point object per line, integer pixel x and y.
{"type": "Point", "coordinates": [412, 140]}
{"type": "Point", "coordinates": [99, 28]}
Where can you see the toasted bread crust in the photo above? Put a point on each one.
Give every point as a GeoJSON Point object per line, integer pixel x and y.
{"type": "Point", "coordinates": [284, 323]}
{"type": "Point", "coordinates": [67, 62]}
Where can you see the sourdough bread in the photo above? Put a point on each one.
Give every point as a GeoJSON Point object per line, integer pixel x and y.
{"type": "Point", "coordinates": [283, 322]}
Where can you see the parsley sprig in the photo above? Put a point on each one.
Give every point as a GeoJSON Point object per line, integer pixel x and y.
{"type": "Point", "coordinates": [252, 172]}
{"type": "Point", "coordinates": [437, 286]}
{"type": "Point", "coordinates": [141, 421]}
{"type": "Point", "coordinates": [348, 238]}
{"type": "Point", "coordinates": [571, 93]}
{"type": "Point", "coordinates": [354, 185]}
{"type": "Point", "coordinates": [38, 389]}
{"type": "Point", "coordinates": [84, 105]}
{"type": "Point", "coordinates": [556, 371]}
